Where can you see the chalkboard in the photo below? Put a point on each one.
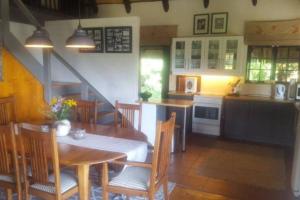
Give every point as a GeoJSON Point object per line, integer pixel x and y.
{"type": "Point", "coordinates": [97, 35]}
{"type": "Point", "coordinates": [118, 39]}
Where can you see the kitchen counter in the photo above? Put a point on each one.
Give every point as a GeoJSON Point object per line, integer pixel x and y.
{"type": "Point", "coordinates": [258, 98]}
{"type": "Point", "coordinates": [179, 103]}
{"type": "Point", "coordinates": [177, 93]}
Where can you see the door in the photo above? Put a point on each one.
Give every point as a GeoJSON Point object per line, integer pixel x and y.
{"type": "Point", "coordinates": [196, 55]}
{"type": "Point", "coordinates": [154, 71]}
{"type": "Point", "coordinates": [213, 54]}
{"type": "Point", "coordinates": [179, 55]}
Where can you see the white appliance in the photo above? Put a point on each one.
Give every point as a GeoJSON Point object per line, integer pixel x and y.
{"type": "Point", "coordinates": [279, 91]}
{"type": "Point", "coordinates": [190, 85]}
{"type": "Point", "coordinates": [298, 91]}
{"type": "Point", "coordinates": [207, 114]}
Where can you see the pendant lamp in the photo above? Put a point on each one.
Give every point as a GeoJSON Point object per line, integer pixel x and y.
{"type": "Point", "coordinates": [39, 39]}
{"type": "Point", "coordinates": [80, 38]}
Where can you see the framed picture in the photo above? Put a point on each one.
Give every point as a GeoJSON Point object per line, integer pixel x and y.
{"type": "Point", "coordinates": [201, 24]}
{"type": "Point", "coordinates": [97, 35]}
{"type": "Point", "coordinates": [118, 39]}
{"type": "Point", "coordinates": [219, 22]}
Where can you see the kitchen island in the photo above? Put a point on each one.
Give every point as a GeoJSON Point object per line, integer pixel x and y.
{"type": "Point", "coordinates": [158, 109]}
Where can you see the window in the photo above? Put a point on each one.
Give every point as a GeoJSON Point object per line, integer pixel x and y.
{"type": "Point", "coordinates": [273, 63]}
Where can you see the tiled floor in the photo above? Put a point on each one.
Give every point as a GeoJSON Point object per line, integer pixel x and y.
{"type": "Point", "coordinates": [214, 169]}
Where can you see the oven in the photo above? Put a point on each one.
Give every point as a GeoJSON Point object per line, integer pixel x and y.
{"type": "Point", "coordinates": [207, 114]}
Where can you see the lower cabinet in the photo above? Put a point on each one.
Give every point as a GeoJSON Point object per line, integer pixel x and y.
{"type": "Point", "coordinates": [259, 121]}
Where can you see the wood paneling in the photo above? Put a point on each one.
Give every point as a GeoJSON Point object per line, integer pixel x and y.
{"type": "Point", "coordinates": [273, 32]}
{"type": "Point", "coordinates": [121, 1]}
{"type": "Point", "coordinates": [27, 90]}
{"type": "Point", "coordinates": [158, 35]}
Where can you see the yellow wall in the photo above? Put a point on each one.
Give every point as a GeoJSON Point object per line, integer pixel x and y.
{"type": "Point", "coordinates": [27, 90]}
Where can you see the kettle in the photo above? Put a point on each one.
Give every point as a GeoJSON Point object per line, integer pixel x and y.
{"type": "Point", "coordinates": [279, 91]}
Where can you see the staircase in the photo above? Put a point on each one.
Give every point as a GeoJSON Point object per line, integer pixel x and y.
{"type": "Point", "coordinates": [75, 90]}
{"type": "Point", "coordinates": [45, 10]}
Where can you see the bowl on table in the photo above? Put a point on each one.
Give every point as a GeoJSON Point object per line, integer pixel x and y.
{"type": "Point", "coordinates": [78, 134]}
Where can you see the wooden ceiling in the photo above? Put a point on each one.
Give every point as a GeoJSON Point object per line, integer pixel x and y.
{"type": "Point", "coordinates": [121, 1]}
{"type": "Point", "coordinates": [165, 3]}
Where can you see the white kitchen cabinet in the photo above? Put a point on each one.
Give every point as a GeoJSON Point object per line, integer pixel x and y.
{"type": "Point", "coordinates": [187, 55]}
{"type": "Point", "coordinates": [209, 55]}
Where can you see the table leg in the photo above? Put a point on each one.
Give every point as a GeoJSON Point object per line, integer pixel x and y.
{"type": "Point", "coordinates": [184, 130]}
{"type": "Point", "coordinates": [83, 181]}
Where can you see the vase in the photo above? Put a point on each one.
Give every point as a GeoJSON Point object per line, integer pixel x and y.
{"type": "Point", "coordinates": [63, 127]}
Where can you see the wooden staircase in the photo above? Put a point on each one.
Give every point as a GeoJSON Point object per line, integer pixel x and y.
{"type": "Point", "coordinates": [72, 90]}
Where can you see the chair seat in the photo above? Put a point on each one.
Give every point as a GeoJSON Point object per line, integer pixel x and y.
{"type": "Point", "coordinates": [132, 178]}
{"type": "Point", "coordinates": [67, 183]}
{"type": "Point", "coordinates": [7, 178]}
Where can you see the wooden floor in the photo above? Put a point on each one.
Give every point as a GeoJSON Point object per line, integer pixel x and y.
{"type": "Point", "coordinates": [192, 182]}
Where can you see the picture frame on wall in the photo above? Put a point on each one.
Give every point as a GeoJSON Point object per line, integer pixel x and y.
{"type": "Point", "coordinates": [219, 22]}
{"type": "Point", "coordinates": [118, 39]}
{"type": "Point", "coordinates": [201, 24]}
{"type": "Point", "coordinates": [97, 35]}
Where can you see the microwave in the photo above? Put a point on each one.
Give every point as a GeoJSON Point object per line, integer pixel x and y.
{"type": "Point", "coordinates": [298, 91]}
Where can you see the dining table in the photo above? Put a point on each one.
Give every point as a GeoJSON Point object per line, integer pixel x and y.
{"type": "Point", "coordinates": [84, 156]}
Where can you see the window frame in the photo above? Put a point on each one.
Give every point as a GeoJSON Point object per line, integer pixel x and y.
{"type": "Point", "coordinates": [273, 62]}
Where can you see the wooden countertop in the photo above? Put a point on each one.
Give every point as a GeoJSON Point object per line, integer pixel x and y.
{"type": "Point", "coordinates": [258, 98]}
{"type": "Point", "coordinates": [182, 93]}
{"type": "Point", "coordinates": [171, 103]}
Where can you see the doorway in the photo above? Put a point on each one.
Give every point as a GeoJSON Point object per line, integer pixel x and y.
{"type": "Point", "coordinates": [154, 71]}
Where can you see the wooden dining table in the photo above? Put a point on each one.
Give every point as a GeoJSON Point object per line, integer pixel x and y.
{"type": "Point", "coordinates": [83, 158]}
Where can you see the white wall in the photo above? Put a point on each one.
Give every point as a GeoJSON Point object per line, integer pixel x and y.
{"type": "Point", "coordinates": [114, 75]}
{"type": "Point", "coordinates": [21, 32]}
{"type": "Point", "coordinates": [181, 12]}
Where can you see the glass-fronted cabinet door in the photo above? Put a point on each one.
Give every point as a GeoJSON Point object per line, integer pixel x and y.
{"type": "Point", "coordinates": [213, 57]}
{"type": "Point", "coordinates": [196, 54]}
{"type": "Point", "coordinates": [179, 57]}
{"type": "Point", "coordinates": [231, 54]}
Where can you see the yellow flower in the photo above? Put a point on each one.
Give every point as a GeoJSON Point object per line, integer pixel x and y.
{"type": "Point", "coordinates": [53, 101]}
{"type": "Point", "coordinates": [70, 102]}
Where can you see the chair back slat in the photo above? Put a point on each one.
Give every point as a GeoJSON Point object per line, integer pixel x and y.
{"type": "Point", "coordinates": [9, 164]}
{"type": "Point", "coordinates": [162, 147]}
{"type": "Point", "coordinates": [5, 158]}
{"type": "Point", "coordinates": [7, 110]}
{"type": "Point", "coordinates": [127, 115]}
{"type": "Point", "coordinates": [37, 150]}
{"type": "Point", "coordinates": [86, 111]}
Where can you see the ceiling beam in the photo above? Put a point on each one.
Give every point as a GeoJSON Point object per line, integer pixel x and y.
{"type": "Point", "coordinates": [254, 2]}
{"type": "Point", "coordinates": [205, 3]}
{"type": "Point", "coordinates": [127, 5]}
{"type": "Point", "coordinates": [166, 5]}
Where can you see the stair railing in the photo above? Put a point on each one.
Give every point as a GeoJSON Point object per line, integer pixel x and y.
{"type": "Point", "coordinates": [47, 64]}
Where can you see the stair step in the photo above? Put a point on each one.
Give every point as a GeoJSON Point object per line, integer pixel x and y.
{"type": "Point", "coordinates": [103, 114]}
{"type": "Point", "coordinates": [58, 84]}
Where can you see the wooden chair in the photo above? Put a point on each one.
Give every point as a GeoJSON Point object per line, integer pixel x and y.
{"type": "Point", "coordinates": [7, 110]}
{"type": "Point", "coordinates": [39, 150]}
{"type": "Point", "coordinates": [128, 112]}
{"type": "Point", "coordinates": [86, 111]}
{"type": "Point", "coordinates": [9, 165]}
{"type": "Point", "coordinates": [144, 179]}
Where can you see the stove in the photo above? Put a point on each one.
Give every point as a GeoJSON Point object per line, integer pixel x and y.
{"type": "Point", "coordinates": [207, 114]}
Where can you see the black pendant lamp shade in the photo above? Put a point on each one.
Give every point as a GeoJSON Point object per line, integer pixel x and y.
{"type": "Point", "coordinates": [80, 39]}
{"type": "Point", "coordinates": [39, 39]}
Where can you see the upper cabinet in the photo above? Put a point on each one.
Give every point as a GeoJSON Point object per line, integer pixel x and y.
{"type": "Point", "coordinates": [187, 54]}
{"type": "Point", "coordinates": [209, 55]}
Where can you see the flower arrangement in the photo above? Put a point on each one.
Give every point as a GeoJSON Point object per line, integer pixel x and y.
{"type": "Point", "coordinates": [60, 108]}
